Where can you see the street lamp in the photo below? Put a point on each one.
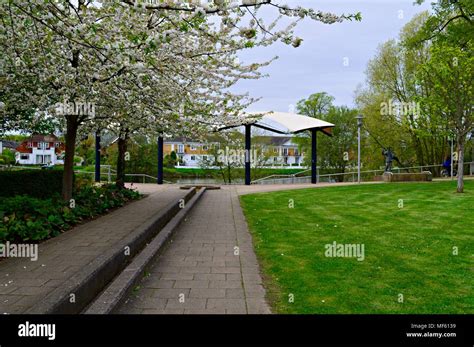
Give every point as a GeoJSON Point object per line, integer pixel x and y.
{"type": "Point", "coordinates": [359, 126]}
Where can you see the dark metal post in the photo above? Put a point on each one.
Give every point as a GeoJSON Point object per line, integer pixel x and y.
{"type": "Point", "coordinates": [247, 153]}
{"type": "Point", "coordinates": [160, 160]}
{"type": "Point", "coordinates": [359, 126]}
{"type": "Point", "coordinates": [314, 155]}
{"type": "Point", "coordinates": [97, 156]}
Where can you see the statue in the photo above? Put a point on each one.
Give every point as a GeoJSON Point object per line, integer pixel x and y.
{"type": "Point", "coordinates": [389, 158]}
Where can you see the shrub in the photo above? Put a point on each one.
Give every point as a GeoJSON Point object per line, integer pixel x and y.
{"type": "Point", "coordinates": [26, 218]}
{"type": "Point", "coordinates": [7, 157]}
{"type": "Point", "coordinates": [35, 183]}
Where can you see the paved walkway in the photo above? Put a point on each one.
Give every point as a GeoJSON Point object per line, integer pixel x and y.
{"type": "Point", "coordinates": [24, 283]}
{"type": "Point", "coordinates": [209, 267]}
{"type": "Point", "coordinates": [200, 272]}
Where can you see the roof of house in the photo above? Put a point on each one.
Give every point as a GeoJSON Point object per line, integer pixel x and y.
{"type": "Point", "coordinates": [273, 140]}
{"type": "Point", "coordinates": [43, 138]}
{"type": "Point", "coordinates": [23, 147]}
{"type": "Point", "coordinates": [185, 140]}
{"type": "Point", "coordinates": [9, 144]}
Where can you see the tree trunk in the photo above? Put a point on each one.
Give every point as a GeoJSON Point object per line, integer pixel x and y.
{"type": "Point", "coordinates": [418, 150]}
{"type": "Point", "coordinates": [229, 173]}
{"type": "Point", "coordinates": [68, 173]}
{"type": "Point", "coordinates": [122, 148]}
{"type": "Point", "coordinates": [461, 141]}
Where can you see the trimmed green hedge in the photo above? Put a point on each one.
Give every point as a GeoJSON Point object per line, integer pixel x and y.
{"type": "Point", "coordinates": [41, 184]}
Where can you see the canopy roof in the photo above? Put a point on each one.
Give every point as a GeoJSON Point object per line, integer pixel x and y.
{"type": "Point", "coordinates": [291, 123]}
{"type": "Point", "coordinates": [286, 123]}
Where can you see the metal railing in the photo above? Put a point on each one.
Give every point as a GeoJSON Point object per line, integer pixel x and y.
{"type": "Point", "coordinates": [350, 176]}
{"type": "Point", "coordinates": [281, 176]}
{"type": "Point", "coordinates": [110, 174]}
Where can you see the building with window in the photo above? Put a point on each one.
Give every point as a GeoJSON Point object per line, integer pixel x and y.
{"type": "Point", "coordinates": [280, 150]}
{"type": "Point", "coordinates": [274, 151]}
{"type": "Point", "coordinates": [190, 153]}
{"type": "Point", "coordinates": [40, 149]}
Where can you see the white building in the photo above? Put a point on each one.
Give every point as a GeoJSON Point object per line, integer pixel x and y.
{"type": "Point", "coordinates": [40, 149]}
{"type": "Point", "coordinates": [273, 151]}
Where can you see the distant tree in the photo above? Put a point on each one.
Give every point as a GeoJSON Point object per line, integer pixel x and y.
{"type": "Point", "coordinates": [316, 105]}
{"type": "Point", "coordinates": [451, 72]}
{"type": "Point", "coordinates": [338, 152]}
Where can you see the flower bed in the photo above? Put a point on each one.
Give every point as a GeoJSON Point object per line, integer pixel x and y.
{"type": "Point", "coordinates": [26, 218]}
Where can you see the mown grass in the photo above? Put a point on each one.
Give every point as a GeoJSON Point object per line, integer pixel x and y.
{"type": "Point", "coordinates": [408, 250]}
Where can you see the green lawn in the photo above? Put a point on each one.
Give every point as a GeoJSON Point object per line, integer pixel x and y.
{"type": "Point", "coordinates": [408, 250]}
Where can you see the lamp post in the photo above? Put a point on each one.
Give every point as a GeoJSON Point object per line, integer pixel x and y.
{"type": "Point", "coordinates": [359, 126]}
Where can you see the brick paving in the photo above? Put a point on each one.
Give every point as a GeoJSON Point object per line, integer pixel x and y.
{"type": "Point", "coordinates": [24, 283]}
{"type": "Point", "coordinates": [209, 267]}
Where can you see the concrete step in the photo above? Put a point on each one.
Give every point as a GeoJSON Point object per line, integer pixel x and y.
{"type": "Point", "coordinates": [118, 290]}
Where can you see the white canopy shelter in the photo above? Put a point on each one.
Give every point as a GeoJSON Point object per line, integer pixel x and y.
{"type": "Point", "coordinates": [291, 123]}
{"type": "Point", "coordinates": [283, 123]}
{"type": "Point", "coordinates": [279, 122]}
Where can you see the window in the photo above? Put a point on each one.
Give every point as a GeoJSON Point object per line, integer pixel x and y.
{"type": "Point", "coordinates": [193, 157]}
{"type": "Point", "coordinates": [204, 157]}
{"type": "Point", "coordinates": [24, 156]}
{"type": "Point", "coordinates": [275, 159]}
{"type": "Point", "coordinates": [275, 150]}
{"type": "Point", "coordinates": [39, 159]}
{"type": "Point", "coordinates": [43, 145]}
{"type": "Point", "coordinates": [205, 148]}
{"type": "Point", "coordinates": [180, 148]}
{"type": "Point", "coordinates": [47, 159]}
{"type": "Point", "coordinates": [193, 147]}
{"type": "Point", "coordinates": [285, 151]}
{"type": "Point", "coordinates": [296, 152]}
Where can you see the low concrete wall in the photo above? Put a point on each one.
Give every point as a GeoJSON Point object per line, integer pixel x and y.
{"type": "Point", "coordinates": [93, 278]}
{"type": "Point", "coordinates": [424, 176]}
{"type": "Point", "coordinates": [118, 290]}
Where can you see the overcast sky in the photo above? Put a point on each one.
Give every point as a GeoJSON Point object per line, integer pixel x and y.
{"type": "Point", "coordinates": [318, 64]}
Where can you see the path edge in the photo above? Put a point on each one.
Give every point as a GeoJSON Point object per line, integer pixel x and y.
{"type": "Point", "coordinates": [119, 289]}
{"type": "Point", "coordinates": [88, 282]}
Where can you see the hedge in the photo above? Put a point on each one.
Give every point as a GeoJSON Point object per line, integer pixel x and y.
{"type": "Point", "coordinates": [41, 184]}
